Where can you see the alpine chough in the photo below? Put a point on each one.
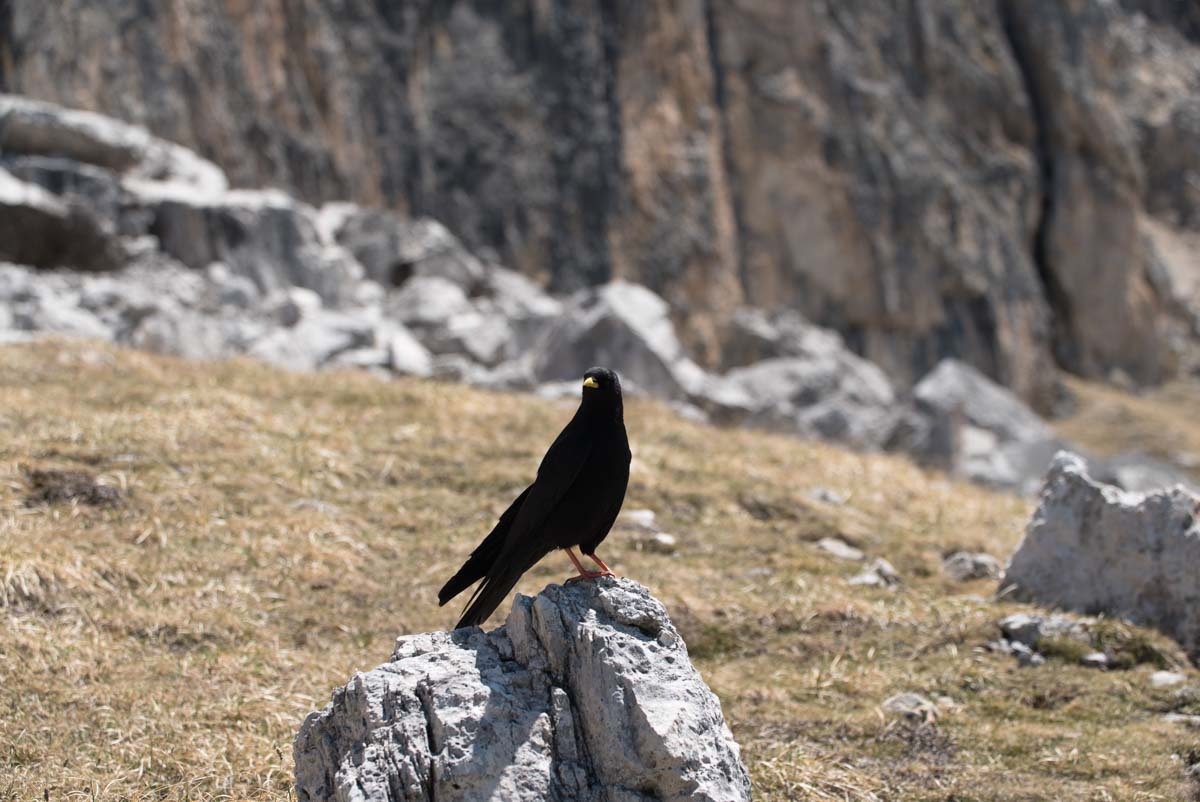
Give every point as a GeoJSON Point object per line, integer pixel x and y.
{"type": "Point", "coordinates": [574, 500]}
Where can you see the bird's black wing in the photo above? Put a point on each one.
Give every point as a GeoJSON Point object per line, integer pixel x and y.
{"type": "Point", "coordinates": [523, 547]}
{"type": "Point", "coordinates": [485, 553]}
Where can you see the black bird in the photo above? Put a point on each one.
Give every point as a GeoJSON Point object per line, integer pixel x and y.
{"type": "Point", "coordinates": [574, 500]}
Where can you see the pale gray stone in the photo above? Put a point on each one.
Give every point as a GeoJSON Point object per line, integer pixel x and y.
{"type": "Point", "coordinates": [979, 430]}
{"type": "Point", "coordinates": [912, 706]}
{"type": "Point", "coordinates": [406, 355]}
{"type": "Point", "coordinates": [626, 327]}
{"type": "Point", "coordinates": [1167, 679]}
{"type": "Point", "coordinates": [1094, 548]}
{"type": "Point", "coordinates": [964, 566]}
{"type": "Point", "coordinates": [586, 693]}
{"type": "Point", "coordinates": [879, 573]}
{"type": "Point", "coordinates": [840, 549]}
{"type": "Point", "coordinates": [826, 394]}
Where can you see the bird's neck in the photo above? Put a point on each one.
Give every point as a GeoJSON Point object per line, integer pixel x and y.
{"type": "Point", "coordinates": [608, 413]}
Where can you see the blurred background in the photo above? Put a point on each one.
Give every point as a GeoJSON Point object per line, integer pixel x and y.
{"type": "Point", "coordinates": [1014, 185]}
{"type": "Point", "coordinates": [964, 233]}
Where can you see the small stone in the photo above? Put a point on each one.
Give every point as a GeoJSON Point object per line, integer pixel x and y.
{"type": "Point", "coordinates": [640, 519]}
{"type": "Point", "coordinates": [1026, 657]}
{"type": "Point", "coordinates": [316, 505]}
{"type": "Point", "coordinates": [1181, 718]}
{"type": "Point", "coordinates": [912, 706]}
{"type": "Point", "coordinates": [964, 566]}
{"type": "Point", "coordinates": [840, 549]}
{"type": "Point", "coordinates": [827, 496]}
{"type": "Point", "coordinates": [658, 543]}
{"type": "Point", "coordinates": [1095, 660]}
{"type": "Point", "coordinates": [1167, 679]}
{"type": "Point", "coordinates": [288, 307]}
{"type": "Point", "coordinates": [879, 574]}
{"type": "Point", "coordinates": [1022, 628]}
{"type": "Point", "coordinates": [1000, 646]}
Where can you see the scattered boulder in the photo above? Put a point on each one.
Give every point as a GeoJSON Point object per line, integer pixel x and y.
{"type": "Point", "coordinates": [828, 393]}
{"type": "Point", "coordinates": [229, 289]}
{"type": "Point", "coordinates": [1030, 630]}
{"type": "Point", "coordinates": [1094, 548]}
{"type": "Point", "coordinates": [427, 302]}
{"type": "Point", "coordinates": [289, 306]}
{"type": "Point", "coordinates": [264, 235]}
{"type": "Point", "coordinates": [965, 566]}
{"type": "Point", "coordinates": [626, 327]}
{"type": "Point", "coordinates": [30, 126]}
{"type": "Point", "coordinates": [1140, 473]}
{"type": "Point", "coordinates": [191, 333]}
{"type": "Point", "coordinates": [755, 335]}
{"type": "Point", "coordinates": [316, 340]}
{"type": "Point", "coordinates": [99, 191]}
{"type": "Point", "coordinates": [586, 693]}
{"type": "Point", "coordinates": [406, 356]}
{"type": "Point", "coordinates": [40, 229]}
{"type": "Point", "coordinates": [979, 430]}
{"type": "Point", "coordinates": [393, 250]}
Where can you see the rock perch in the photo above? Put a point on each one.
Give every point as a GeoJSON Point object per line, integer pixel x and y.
{"type": "Point", "coordinates": [586, 693]}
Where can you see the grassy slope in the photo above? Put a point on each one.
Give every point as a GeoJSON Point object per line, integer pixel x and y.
{"type": "Point", "coordinates": [169, 648]}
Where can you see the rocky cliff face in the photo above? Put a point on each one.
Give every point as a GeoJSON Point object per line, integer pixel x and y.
{"type": "Point", "coordinates": [1009, 183]}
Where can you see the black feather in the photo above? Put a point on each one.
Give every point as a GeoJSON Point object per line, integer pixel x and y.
{"type": "Point", "coordinates": [574, 500]}
{"type": "Point", "coordinates": [484, 555]}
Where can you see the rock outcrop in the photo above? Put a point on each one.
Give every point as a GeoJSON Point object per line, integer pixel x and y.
{"type": "Point", "coordinates": [586, 693]}
{"type": "Point", "coordinates": [1005, 183]}
{"type": "Point", "coordinates": [1092, 548]}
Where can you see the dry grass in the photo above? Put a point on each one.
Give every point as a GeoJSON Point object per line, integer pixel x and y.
{"type": "Point", "coordinates": [1162, 422]}
{"type": "Point", "coordinates": [276, 532]}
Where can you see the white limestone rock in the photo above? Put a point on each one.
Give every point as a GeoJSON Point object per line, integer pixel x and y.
{"type": "Point", "coordinates": [1095, 548]}
{"type": "Point", "coordinates": [586, 693]}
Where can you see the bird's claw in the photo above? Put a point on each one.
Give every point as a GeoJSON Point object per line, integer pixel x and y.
{"type": "Point", "coordinates": [590, 575]}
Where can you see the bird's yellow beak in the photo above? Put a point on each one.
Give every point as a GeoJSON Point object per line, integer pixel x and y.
{"type": "Point", "coordinates": [590, 382]}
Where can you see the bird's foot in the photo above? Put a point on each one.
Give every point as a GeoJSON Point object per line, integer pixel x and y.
{"type": "Point", "coordinates": [585, 573]}
{"type": "Point", "coordinates": [589, 575]}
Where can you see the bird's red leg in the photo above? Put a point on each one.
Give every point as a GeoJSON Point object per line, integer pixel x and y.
{"type": "Point", "coordinates": [583, 572]}
{"type": "Point", "coordinates": [604, 569]}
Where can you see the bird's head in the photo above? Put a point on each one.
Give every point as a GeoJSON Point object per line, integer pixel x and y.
{"type": "Point", "coordinates": [601, 383]}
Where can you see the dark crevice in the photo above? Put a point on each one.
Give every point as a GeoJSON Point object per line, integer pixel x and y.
{"type": "Point", "coordinates": [7, 44]}
{"type": "Point", "coordinates": [1062, 343]}
{"type": "Point", "coordinates": [712, 33]}
{"type": "Point", "coordinates": [613, 175]}
{"type": "Point", "coordinates": [424, 696]}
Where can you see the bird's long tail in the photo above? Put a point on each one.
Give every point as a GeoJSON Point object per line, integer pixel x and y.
{"type": "Point", "coordinates": [494, 589]}
{"type": "Point", "coordinates": [485, 554]}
